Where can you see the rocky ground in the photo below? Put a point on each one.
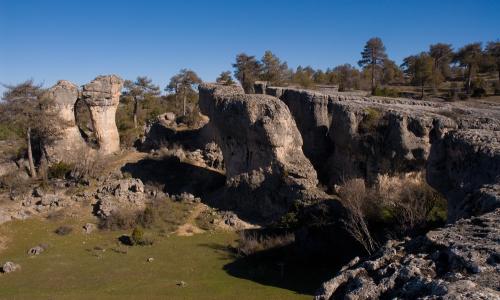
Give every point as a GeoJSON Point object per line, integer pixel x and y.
{"type": "Point", "coordinates": [460, 261]}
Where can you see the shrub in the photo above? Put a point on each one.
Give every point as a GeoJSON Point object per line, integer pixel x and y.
{"type": "Point", "coordinates": [63, 230]}
{"type": "Point", "coordinates": [409, 202]}
{"type": "Point", "coordinates": [386, 92]}
{"type": "Point", "coordinates": [86, 168]}
{"type": "Point", "coordinates": [353, 195]}
{"type": "Point", "coordinates": [146, 218]}
{"type": "Point", "coordinates": [251, 243]}
{"type": "Point", "coordinates": [59, 170]}
{"type": "Point", "coordinates": [119, 220]}
{"type": "Point", "coordinates": [370, 120]}
{"type": "Point", "coordinates": [137, 236]}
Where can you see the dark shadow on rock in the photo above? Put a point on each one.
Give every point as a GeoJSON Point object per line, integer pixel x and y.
{"type": "Point", "coordinates": [175, 176]}
{"type": "Point", "coordinates": [161, 136]}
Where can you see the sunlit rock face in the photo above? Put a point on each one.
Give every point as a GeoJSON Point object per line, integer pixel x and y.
{"type": "Point", "coordinates": [68, 145]}
{"type": "Point", "coordinates": [102, 95]}
{"type": "Point", "coordinates": [265, 167]}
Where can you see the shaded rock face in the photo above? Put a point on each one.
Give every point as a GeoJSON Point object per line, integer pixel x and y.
{"type": "Point", "coordinates": [102, 95]}
{"type": "Point", "coordinates": [352, 136]}
{"type": "Point", "coordinates": [368, 140]}
{"type": "Point", "coordinates": [349, 136]}
{"type": "Point", "coordinates": [456, 262]}
{"type": "Point", "coordinates": [70, 145]}
{"type": "Point", "coordinates": [262, 148]}
{"type": "Point", "coordinates": [465, 167]}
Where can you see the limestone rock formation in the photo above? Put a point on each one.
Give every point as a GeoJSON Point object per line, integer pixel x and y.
{"type": "Point", "coordinates": [69, 146]}
{"type": "Point", "coordinates": [120, 194]}
{"type": "Point", "coordinates": [103, 95]}
{"type": "Point", "coordinates": [348, 135]}
{"type": "Point", "coordinates": [465, 167]}
{"type": "Point", "coordinates": [266, 169]}
{"type": "Point", "coordinates": [460, 261]}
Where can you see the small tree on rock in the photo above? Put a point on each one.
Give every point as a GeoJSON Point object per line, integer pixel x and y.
{"type": "Point", "coordinates": [225, 78]}
{"type": "Point", "coordinates": [183, 84]}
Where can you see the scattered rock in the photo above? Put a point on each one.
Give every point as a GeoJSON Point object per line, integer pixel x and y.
{"type": "Point", "coordinates": [9, 267]}
{"type": "Point", "coordinates": [181, 284]}
{"type": "Point", "coordinates": [37, 250]}
{"type": "Point", "coordinates": [89, 228]}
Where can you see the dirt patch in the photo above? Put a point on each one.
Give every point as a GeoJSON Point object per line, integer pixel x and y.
{"type": "Point", "coordinates": [189, 228]}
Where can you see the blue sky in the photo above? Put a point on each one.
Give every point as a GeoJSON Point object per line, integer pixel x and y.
{"type": "Point", "coordinates": [77, 40]}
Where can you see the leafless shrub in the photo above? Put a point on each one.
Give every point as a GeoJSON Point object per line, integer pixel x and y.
{"type": "Point", "coordinates": [410, 199]}
{"type": "Point", "coordinates": [249, 244]}
{"type": "Point", "coordinates": [174, 150]}
{"type": "Point", "coordinates": [353, 194]}
{"type": "Point", "coordinates": [119, 220]}
{"type": "Point", "coordinates": [88, 167]}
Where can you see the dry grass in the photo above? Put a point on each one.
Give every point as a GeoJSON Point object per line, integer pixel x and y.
{"type": "Point", "coordinates": [251, 243]}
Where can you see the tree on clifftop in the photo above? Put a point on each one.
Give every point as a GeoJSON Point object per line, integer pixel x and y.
{"type": "Point", "coordinates": [442, 54]}
{"type": "Point", "coordinates": [183, 84]}
{"type": "Point", "coordinates": [419, 69]}
{"type": "Point", "coordinates": [139, 89]}
{"type": "Point", "coordinates": [373, 57]}
{"type": "Point", "coordinates": [225, 78]}
{"type": "Point", "coordinates": [493, 52]}
{"type": "Point", "coordinates": [273, 70]}
{"type": "Point", "coordinates": [469, 56]}
{"type": "Point", "coordinates": [247, 71]}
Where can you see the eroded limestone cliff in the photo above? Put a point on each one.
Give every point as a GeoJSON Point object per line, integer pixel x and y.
{"type": "Point", "coordinates": [266, 169]}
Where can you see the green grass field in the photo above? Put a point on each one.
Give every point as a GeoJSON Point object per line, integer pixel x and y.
{"type": "Point", "coordinates": [80, 266]}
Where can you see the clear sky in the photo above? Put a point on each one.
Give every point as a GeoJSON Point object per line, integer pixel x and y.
{"type": "Point", "coordinates": [77, 40]}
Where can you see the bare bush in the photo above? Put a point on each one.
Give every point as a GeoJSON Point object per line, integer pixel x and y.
{"type": "Point", "coordinates": [249, 244]}
{"type": "Point", "coordinates": [353, 194]}
{"type": "Point", "coordinates": [88, 167]}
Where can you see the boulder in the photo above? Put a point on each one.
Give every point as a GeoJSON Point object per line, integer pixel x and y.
{"type": "Point", "coordinates": [102, 95]}
{"type": "Point", "coordinates": [10, 267]}
{"type": "Point", "coordinates": [69, 146]}
{"type": "Point", "coordinates": [89, 228]}
{"type": "Point", "coordinates": [120, 194]}
{"type": "Point", "coordinates": [456, 262]}
{"type": "Point", "coordinates": [266, 169]}
{"type": "Point", "coordinates": [37, 250]}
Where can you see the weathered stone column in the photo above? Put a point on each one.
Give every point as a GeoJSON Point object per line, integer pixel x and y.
{"type": "Point", "coordinates": [102, 96]}
{"type": "Point", "coordinates": [69, 145]}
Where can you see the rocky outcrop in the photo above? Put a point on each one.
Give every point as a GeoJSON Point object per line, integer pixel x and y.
{"type": "Point", "coordinates": [69, 145]}
{"type": "Point", "coordinates": [117, 195]}
{"type": "Point", "coordinates": [102, 95]}
{"type": "Point", "coordinates": [460, 261]}
{"type": "Point", "coordinates": [348, 135]}
{"type": "Point", "coordinates": [266, 169]}
{"type": "Point", "coordinates": [465, 167]}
